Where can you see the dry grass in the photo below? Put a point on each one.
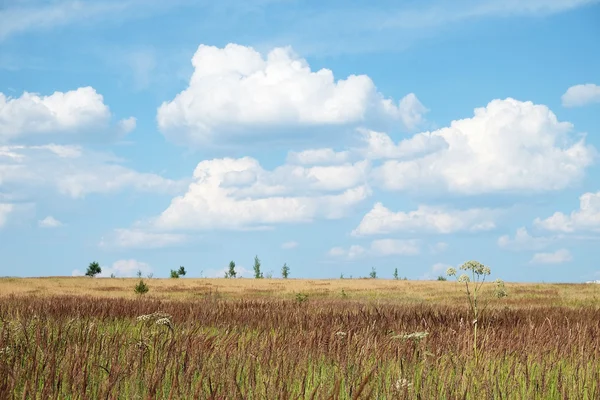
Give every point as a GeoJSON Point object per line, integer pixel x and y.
{"type": "Point", "coordinates": [416, 292]}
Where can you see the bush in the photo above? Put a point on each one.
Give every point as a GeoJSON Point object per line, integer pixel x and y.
{"type": "Point", "coordinates": [174, 274]}
{"type": "Point", "coordinates": [373, 273]}
{"type": "Point", "coordinates": [285, 271]}
{"type": "Point", "coordinates": [442, 278]}
{"type": "Point", "coordinates": [257, 273]}
{"type": "Point", "coordinates": [141, 287]}
{"type": "Point", "coordinates": [93, 269]}
{"type": "Point", "coordinates": [181, 271]}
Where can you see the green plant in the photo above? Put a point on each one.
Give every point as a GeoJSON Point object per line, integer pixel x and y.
{"type": "Point", "coordinates": [342, 275]}
{"type": "Point", "coordinates": [442, 278]}
{"type": "Point", "coordinates": [93, 269]}
{"type": "Point", "coordinates": [174, 274]}
{"type": "Point", "coordinates": [396, 273]}
{"type": "Point", "coordinates": [181, 271]}
{"type": "Point", "coordinates": [301, 297]}
{"type": "Point", "coordinates": [139, 273]}
{"type": "Point", "coordinates": [285, 271]}
{"type": "Point", "coordinates": [373, 273]}
{"type": "Point", "coordinates": [257, 273]}
{"type": "Point", "coordinates": [231, 273]}
{"type": "Point", "coordinates": [473, 287]}
{"type": "Point", "coordinates": [141, 288]}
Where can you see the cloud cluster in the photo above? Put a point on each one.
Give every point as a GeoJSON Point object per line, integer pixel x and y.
{"type": "Point", "coordinates": [121, 269]}
{"type": "Point", "coordinates": [508, 146]}
{"type": "Point", "coordinates": [239, 194]}
{"type": "Point", "coordinates": [558, 257]}
{"type": "Point", "coordinates": [74, 113]}
{"type": "Point", "coordinates": [235, 87]}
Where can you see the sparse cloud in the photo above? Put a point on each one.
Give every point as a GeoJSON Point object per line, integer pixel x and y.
{"type": "Point", "coordinates": [378, 248]}
{"type": "Point", "coordinates": [557, 257]}
{"type": "Point", "coordinates": [581, 95]}
{"type": "Point", "coordinates": [137, 238]}
{"type": "Point", "coordinates": [524, 241]}
{"type": "Point", "coordinates": [289, 245]}
{"type": "Point", "coordinates": [586, 218]}
{"type": "Point", "coordinates": [49, 222]}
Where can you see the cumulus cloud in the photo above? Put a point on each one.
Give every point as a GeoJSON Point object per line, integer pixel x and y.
{"type": "Point", "coordinates": [381, 220]}
{"type": "Point", "coordinates": [49, 222]}
{"type": "Point", "coordinates": [581, 95]}
{"type": "Point", "coordinates": [120, 269]}
{"type": "Point", "coordinates": [557, 257]}
{"type": "Point", "coordinates": [509, 145]}
{"type": "Point", "coordinates": [587, 218]}
{"type": "Point", "coordinates": [379, 145]}
{"type": "Point", "coordinates": [236, 87]}
{"type": "Point", "coordinates": [73, 171]}
{"type": "Point", "coordinates": [127, 125]}
{"type": "Point", "coordinates": [378, 248]}
{"type": "Point", "coordinates": [79, 111]}
{"type": "Point", "coordinates": [524, 241]}
{"type": "Point", "coordinates": [137, 238]}
{"type": "Point", "coordinates": [238, 194]}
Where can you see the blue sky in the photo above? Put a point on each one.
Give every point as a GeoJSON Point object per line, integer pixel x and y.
{"type": "Point", "coordinates": [333, 137]}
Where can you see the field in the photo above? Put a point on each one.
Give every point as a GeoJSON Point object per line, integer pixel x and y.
{"type": "Point", "coordinates": [91, 338]}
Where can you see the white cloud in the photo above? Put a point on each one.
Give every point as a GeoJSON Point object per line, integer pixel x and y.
{"type": "Point", "coordinates": [380, 145]}
{"type": "Point", "coordinates": [237, 194]}
{"type": "Point", "coordinates": [558, 257]}
{"type": "Point", "coordinates": [378, 248]}
{"type": "Point", "coordinates": [235, 87]}
{"type": "Point", "coordinates": [289, 245]}
{"type": "Point", "coordinates": [73, 171]}
{"type": "Point", "coordinates": [127, 125]}
{"type": "Point", "coordinates": [587, 218]}
{"type": "Point", "coordinates": [318, 157]}
{"type": "Point", "coordinates": [507, 146]}
{"type": "Point", "coordinates": [524, 241]}
{"type": "Point", "coordinates": [136, 238]}
{"type": "Point", "coordinates": [120, 269]}
{"type": "Point", "coordinates": [436, 270]}
{"type": "Point", "coordinates": [381, 220]}
{"type": "Point", "coordinates": [5, 210]}
{"type": "Point", "coordinates": [71, 112]}
{"type": "Point", "coordinates": [581, 95]}
{"type": "Point", "coordinates": [49, 222]}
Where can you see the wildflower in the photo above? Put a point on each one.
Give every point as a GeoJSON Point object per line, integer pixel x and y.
{"type": "Point", "coordinates": [340, 334]}
{"type": "Point", "coordinates": [164, 321]}
{"type": "Point", "coordinates": [463, 278]}
{"type": "Point", "coordinates": [416, 336]}
{"type": "Point", "coordinates": [403, 383]}
{"type": "Point", "coordinates": [451, 271]}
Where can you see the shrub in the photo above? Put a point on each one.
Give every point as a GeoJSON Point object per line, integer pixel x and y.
{"type": "Point", "coordinates": [93, 269]}
{"type": "Point", "coordinates": [257, 273]}
{"type": "Point", "coordinates": [174, 274]}
{"type": "Point", "coordinates": [231, 273]}
{"type": "Point", "coordinates": [141, 288]}
{"type": "Point", "coordinates": [373, 273]}
{"type": "Point", "coordinates": [181, 271]}
{"type": "Point", "coordinates": [442, 278]}
{"type": "Point", "coordinates": [396, 273]}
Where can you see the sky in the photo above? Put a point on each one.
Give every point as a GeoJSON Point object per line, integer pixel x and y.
{"type": "Point", "coordinates": [335, 137]}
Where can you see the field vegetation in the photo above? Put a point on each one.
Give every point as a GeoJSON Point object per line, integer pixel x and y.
{"type": "Point", "coordinates": [95, 338]}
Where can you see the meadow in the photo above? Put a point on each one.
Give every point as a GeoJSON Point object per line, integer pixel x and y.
{"type": "Point", "coordinates": [94, 338]}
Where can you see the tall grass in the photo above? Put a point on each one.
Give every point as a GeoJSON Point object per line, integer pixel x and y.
{"type": "Point", "coordinates": [97, 348]}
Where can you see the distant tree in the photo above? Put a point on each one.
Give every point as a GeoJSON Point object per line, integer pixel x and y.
{"type": "Point", "coordinates": [174, 274]}
{"type": "Point", "coordinates": [93, 269]}
{"type": "Point", "coordinates": [442, 278]}
{"type": "Point", "coordinates": [181, 271]}
{"type": "Point", "coordinates": [373, 273]}
{"type": "Point", "coordinates": [396, 273]}
{"type": "Point", "coordinates": [141, 288]}
{"type": "Point", "coordinates": [342, 275]}
{"type": "Point", "coordinates": [139, 273]}
{"type": "Point", "coordinates": [285, 271]}
{"type": "Point", "coordinates": [231, 273]}
{"type": "Point", "coordinates": [257, 273]}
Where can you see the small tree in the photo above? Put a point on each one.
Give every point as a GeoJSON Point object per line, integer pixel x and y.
{"type": "Point", "coordinates": [174, 274]}
{"type": "Point", "coordinates": [141, 288]}
{"type": "Point", "coordinates": [231, 273]}
{"type": "Point", "coordinates": [257, 273]}
{"type": "Point", "coordinates": [285, 271]}
{"type": "Point", "coordinates": [396, 273]}
{"type": "Point", "coordinates": [181, 271]}
{"type": "Point", "coordinates": [473, 286]}
{"type": "Point", "coordinates": [373, 273]}
{"type": "Point", "coordinates": [93, 269]}
{"type": "Point", "coordinates": [139, 273]}
{"type": "Point", "coordinates": [442, 278]}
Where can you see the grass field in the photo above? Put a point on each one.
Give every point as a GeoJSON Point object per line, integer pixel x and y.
{"type": "Point", "coordinates": [90, 338]}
